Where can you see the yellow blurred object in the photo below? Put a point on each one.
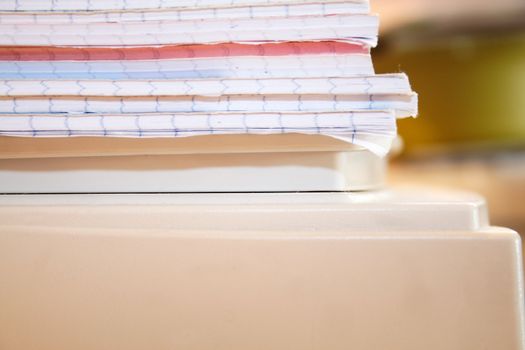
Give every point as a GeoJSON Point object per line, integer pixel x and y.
{"type": "Point", "coordinates": [471, 84]}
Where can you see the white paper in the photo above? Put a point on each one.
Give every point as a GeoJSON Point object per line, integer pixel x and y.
{"type": "Point", "coordinates": [156, 14]}
{"type": "Point", "coordinates": [402, 105]}
{"type": "Point", "coordinates": [374, 84]}
{"type": "Point", "coordinates": [374, 130]}
{"type": "Point", "coordinates": [300, 66]}
{"type": "Point", "coordinates": [98, 5]}
{"type": "Point", "coordinates": [354, 28]}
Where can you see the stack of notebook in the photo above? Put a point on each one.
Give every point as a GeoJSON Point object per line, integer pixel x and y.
{"type": "Point", "coordinates": [174, 69]}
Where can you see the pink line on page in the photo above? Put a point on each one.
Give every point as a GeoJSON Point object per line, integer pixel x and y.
{"type": "Point", "coordinates": [180, 51]}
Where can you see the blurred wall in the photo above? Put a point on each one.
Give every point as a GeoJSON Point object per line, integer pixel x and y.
{"type": "Point", "coordinates": [466, 59]}
{"type": "Point", "coordinates": [396, 13]}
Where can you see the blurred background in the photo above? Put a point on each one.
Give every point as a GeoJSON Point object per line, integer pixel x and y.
{"type": "Point", "coordinates": [466, 59]}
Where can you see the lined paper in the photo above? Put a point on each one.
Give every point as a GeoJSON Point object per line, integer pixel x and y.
{"type": "Point", "coordinates": [182, 68]}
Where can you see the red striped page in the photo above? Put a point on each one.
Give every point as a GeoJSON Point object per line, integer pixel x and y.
{"type": "Point", "coordinates": [178, 51]}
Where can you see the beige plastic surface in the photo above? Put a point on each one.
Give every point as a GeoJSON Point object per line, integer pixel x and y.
{"type": "Point", "coordinates": [352, 170]}
{"type": "Point", "coordinates": [409, 269]}
{"type": "Point", "coordinates": [27, 147]}
{"type": "Point", "coordinates": [392, 210]}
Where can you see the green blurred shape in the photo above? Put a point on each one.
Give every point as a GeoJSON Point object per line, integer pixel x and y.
{"type": "Point", "coordinates": [471, 87]}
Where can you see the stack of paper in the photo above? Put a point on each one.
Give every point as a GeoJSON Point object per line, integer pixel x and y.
{"type": "Point", "coordinates": [172, 68]}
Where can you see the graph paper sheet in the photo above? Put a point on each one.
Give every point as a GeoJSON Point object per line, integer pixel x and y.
{"type": "Point", "coordinates": [100, 5]}
{"type": "Point", "coordinates": [299, 66]}
{"type": "Point", "coordinates": [355, 28]}
{"type": "Point", "coordinates": [404, 105]}
{"type": "Point", "coordinates": [374, 130]}
{"type": "Point", "coordinates": [155, 14]}
{"type": "Point", "coordinates": [374, 84]}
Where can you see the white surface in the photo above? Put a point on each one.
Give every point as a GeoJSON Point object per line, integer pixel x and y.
{"type": "Point", "coordinates": [248, 172]}
{"type": "Point", "coordinates": [408, 209]}
{"type": "Point", "coordinates": [399, 270]}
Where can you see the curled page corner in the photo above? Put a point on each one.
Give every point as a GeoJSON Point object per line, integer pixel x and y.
{"type": "Point", "coordinates": [381, 146]}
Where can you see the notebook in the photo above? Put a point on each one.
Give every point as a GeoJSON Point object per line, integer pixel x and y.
{"type": "Point", "coordinates": [173, 69]}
